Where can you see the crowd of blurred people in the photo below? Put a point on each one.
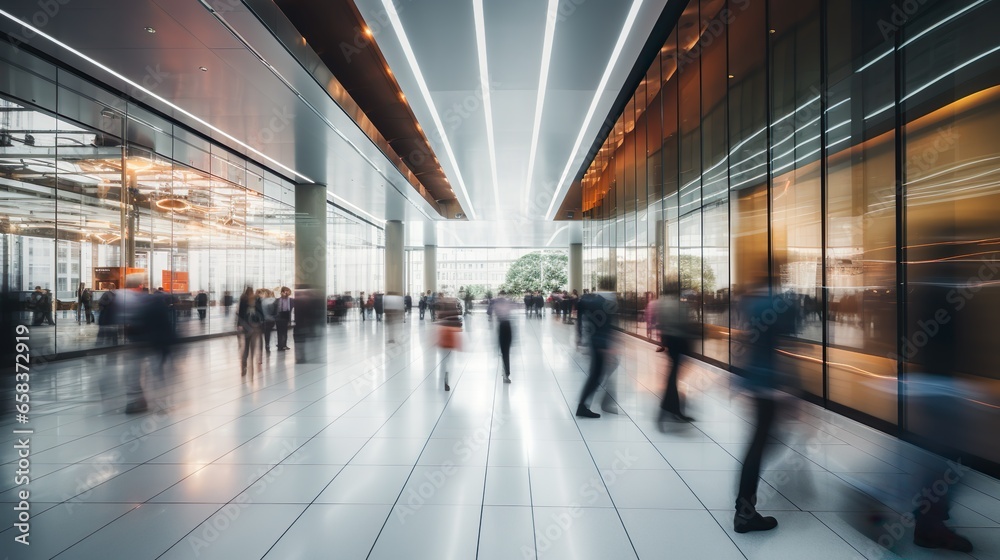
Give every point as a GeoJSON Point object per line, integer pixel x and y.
{"type": "Point", "coordinates": [763, 319]}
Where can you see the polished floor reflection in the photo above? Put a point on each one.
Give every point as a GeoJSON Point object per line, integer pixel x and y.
{"type": "Point", "coordinates": [368, 457]}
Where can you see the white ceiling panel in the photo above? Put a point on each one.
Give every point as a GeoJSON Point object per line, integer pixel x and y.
{"type": "Point", "coordinates": [442, 36]}
{"type": "Point", "coordinates": [240, 101]}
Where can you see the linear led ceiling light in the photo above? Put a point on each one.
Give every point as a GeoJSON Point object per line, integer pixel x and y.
{"type": "Point", "coordinates": [551, 16]}
{"type": "Point", "coordinates": [411, 58]}
{"type": "Point", "coordinates": [561, 187]}
{"type": "Point", "coordinates": [154, 96]}
{"type": "Point", "coordinates": [484, 82]}
{"type": "Point", "coordinates": [354, 208]}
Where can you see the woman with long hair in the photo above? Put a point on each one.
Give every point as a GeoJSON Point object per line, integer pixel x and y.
{"type": "Point", "coordinates": [249, 323]}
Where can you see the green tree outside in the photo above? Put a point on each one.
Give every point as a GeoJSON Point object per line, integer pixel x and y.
{"type": "Point", "coordinates": [537, 271]}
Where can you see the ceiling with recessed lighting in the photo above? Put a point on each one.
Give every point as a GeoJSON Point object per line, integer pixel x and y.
{"type": "Point", "coordinates": [245, 79]}
{"type": "Point", "coordinates": [514, 92]}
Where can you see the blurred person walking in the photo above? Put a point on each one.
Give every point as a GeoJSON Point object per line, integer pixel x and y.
{"type": "Point", "coordinates": [249, 318]}
{"type": "Point", "coordinates": [763, 320]}
{"type": "Point", "coordinates": [283, 307]}
{"type": "Point", "coordinates": [448, 311]}
{"type": "Point", "coordinates": [379, 305]}
{"type": "Point", "coordinates": [600, 311]}
{"type": "Point", "coordinates": [937, 394]}
{"type": "Point", "coordinates": [83, 299]}
{"type": "Point", "coordinates": [201, 302]}
{"type": "Point", "coordinates": [394, 308]}
{"type": "Point", "coordinates": [501, 308]}
{"type": "Point", "coordinates": [673, 319]}
{"type": "Point", "coordinates": [268, 304]}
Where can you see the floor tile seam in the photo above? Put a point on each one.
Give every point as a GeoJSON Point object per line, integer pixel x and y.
{"type": "Point", "coordinates": [868, 495]}
{"type": "Point", "coordinates": [245, 414]}
{"type": "Point", "coordinates": [992, 517]}
{"type": "Point", "coordinates": [128, 420]}
{"type": "Point", "coordinates": [95, 531]}
{"type": "Point", "coordinates": [68, 498]}
{"type": "Point", "coordinates": [824, 469]}
{"type": "Point", "coordinates": [607, 491]}
{"type": "Point", "coordinates": [402, 489]}
{"type": "Point", "coordinates": [489, 443]}
{"type": "Point", "coordinates": [199, 524]}
{"type": "Point", "coordinates": [683, 481]}
{"type": "Point", "coordinates": [835, 532]}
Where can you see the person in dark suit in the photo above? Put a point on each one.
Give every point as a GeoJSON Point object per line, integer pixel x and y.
{"type": "Point", "coordinates": [422, 305]}
{"type": "Point", "coordinates": [501, 308]}
{"type": "Point", "coordinates": [379, 307]}
{"type": "Point", "coordinates": [600, 310]}
{"type": "Point", "coordinates": [283, 307]}
{"type": "Point", "coordinates": [757, 349]}
{"type": "Point", "coordinates": [201, 302]}
{"type": "Point", "coordinates": [407, 304]}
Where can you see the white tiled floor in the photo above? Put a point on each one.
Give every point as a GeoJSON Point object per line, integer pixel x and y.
{"type": "Point", "coordinates": [367, 457]}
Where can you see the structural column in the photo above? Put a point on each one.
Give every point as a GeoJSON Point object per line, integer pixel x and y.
{"type": "Point", "coordinates": [310, 273]}
{"type": "Point", "coordinates": [576, 267]}
{"type": "Point", "coordinates": [394, 257]}
{"type": "Point", "coordinates": [430, 268]}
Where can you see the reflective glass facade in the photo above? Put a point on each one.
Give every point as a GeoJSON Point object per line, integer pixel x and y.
{"type": "Point", "coordinates": [841, 150]}
{"type": "Point", "coordinates": [93, 187]}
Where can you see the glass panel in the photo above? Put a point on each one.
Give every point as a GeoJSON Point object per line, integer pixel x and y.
{"type": "Point", "coordinates": [952, 114]}
{"type": "Point", "coordinates": [796, 220]}
{"type": "Point", "coordinates": [689, 111]}
{"type": "Point", "coordinates": [861, 213]}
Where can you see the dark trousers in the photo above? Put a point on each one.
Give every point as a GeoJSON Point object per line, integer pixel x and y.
{"type": "Point", "coordinates": [506, 336]}
{"type": "Point", "coordinates": [268, 327]}
{"type": "Point", "coordinates": [598, 363]}
{"type": "Point", "coordinates": [281, 325]}
{"type": "Point", "coordinates": [746, 497]}
{"type": "Point", "coordinates": [201, 313]}
{"type": "Point", "coordinates": [676, 347]}
{"type": "Point", "coordinates": [362, 313]}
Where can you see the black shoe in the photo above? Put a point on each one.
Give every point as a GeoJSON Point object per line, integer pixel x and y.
{"type": "Point", "coordinates": [584, 412]}
{"type": "Point", "coordinates": [755, 522]}
{"type": "Point", "coordinates": [447, 387]}
{"type": "Point", "coordinates": [671, 416]}
{"type": "Point", "coordinates": [268, 349]}
{"type": "Point", "coordinates": [506, 379]}
{"type": "Point", "coordinates": [941, 537]}
{"type": "Point", "coordinates": [136, 406]}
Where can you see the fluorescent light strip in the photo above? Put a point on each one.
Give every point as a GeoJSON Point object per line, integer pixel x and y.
{"type": "Point", "coordinates": [873, 61]}
{"type": "Point", "coordinates": [615, 54]}
{"type": "Point", "coordinates": [553, 238]}
{"type": "Point", "coordinates": [154, 96]}
{"type": "Point", "coordinates": [942, 22]}
{"type": "Point", "coordinates": [345, 202]}
{"type": "Point", "coordinates": [551, 16]}
{"type": "Point", "coordinates": [484, 82]}
{"type": "Point", "coordinates": [951, 71]}
{"type": "Point", "coordinates": [411, 58]}
{"type": "Point", "coordinates": [315, 111]}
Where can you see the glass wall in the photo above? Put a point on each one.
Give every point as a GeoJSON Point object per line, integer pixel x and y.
{"type": "Point", "coordinates": [98, 194]}
{"type": "Point", "coordinates": [479, 269]}
{"type": "Point", "coordinates": [355, 255]}
{"type": "Point", "coordinates": [841, 153]}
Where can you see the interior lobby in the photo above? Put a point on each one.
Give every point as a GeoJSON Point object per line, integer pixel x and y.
{"type": "Point", "coordinates": [695, 247]}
